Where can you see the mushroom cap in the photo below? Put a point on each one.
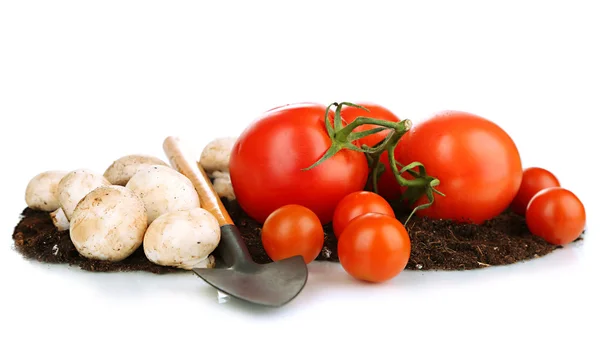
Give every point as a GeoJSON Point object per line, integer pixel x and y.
{"type": "Point", "coordinates": [75, 185]}
{"type": "Point", "coordinates": [163, 189]}
{"type": "Point", "coordinates": [42, 191]}
{"type": "Point", "coordinates": [108, 224]}
{"type": "Point", "coordinates": [182, 239]}
{"type": "Point", "coordinates": [122, 169]}
{"type": "Point", "coordinates": [216, 154]}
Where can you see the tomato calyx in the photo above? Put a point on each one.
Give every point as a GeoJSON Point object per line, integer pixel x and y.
{"type": "Point", "coordinates": [344, 137]}
{"type": "Point", "coordinates": [420, 184]}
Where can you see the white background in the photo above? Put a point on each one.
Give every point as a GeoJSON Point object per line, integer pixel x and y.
{"type": "Point", "coordinates": [83, 83]}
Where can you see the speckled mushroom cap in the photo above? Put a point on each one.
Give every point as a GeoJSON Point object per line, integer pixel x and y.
{"type": "Point", "coordinates": [163, 190]}
{"type": "Point", "coordinates": [216, 154]}
{"type": "Point", "coordinates": [75, 185]}
{"type": "Point", "coordinates": [42, 191]}
{"type": "Point", "coordinates": [182, 239]}
{"type": "Point", "coordinates": [123, 169]}
{"type": "Point", "coordinates": [108, 223]}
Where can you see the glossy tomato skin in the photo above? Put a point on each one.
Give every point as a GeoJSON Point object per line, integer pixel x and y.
{"type": "Point", "coordinates": [476, 161]}
{"type": "Point", "coordinates": [374, 247]}
{"type": "Point", "coordinates": [292, 230]}
{"type": "Point", "coordinates": [267, 160]}
{"type": "Point", "coordinates": [534, 180]}
{"type": "Point", "coordinates": [556, 215]}
{"type": "Point", "coordinates": [357, 204]}
{"type": "Point", "coordinates": [375, 111]}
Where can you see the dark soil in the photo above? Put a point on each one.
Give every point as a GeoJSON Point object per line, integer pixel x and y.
{"type": "Point", "coordinates": [435, 244]}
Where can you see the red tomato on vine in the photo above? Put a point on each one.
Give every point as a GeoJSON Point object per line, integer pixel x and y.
{"type": "Point", "coordinates": [268, 162]}
{"type": "Point", "coordinates": [477, 163]}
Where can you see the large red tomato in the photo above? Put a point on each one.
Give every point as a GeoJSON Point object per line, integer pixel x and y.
{"type": "Point", "coordinates": [268, 158]}
{"type": "Point", "coordinates": [476, 161]}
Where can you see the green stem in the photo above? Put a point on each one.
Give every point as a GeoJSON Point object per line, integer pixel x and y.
{"type": "Point", "coordinates": [403, 126]}
{"type": "Point", "coordinates": [401, 180]}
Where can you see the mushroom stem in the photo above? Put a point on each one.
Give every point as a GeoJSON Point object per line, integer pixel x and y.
{"type": "Point", "coordinates": [222, 185]}
{"type": "Point", "coordinates": [209, 262]}
{"type": "Point", "coordinates": [60, 220]}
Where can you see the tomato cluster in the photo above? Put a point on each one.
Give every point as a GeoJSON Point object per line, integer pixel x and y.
{"type": "Point", "coordinates": [551, 211]}
{"type": "Point", "coordinates": [372, 244]}
{"type": "Point", "coordinates": [301, 166]}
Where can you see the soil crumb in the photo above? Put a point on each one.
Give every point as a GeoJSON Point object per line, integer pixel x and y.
{"type": "Point", "coordinates": [435, 244]}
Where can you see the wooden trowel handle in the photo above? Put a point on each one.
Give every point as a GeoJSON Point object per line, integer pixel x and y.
{"type": "Point", "coordinates": [209, 199]}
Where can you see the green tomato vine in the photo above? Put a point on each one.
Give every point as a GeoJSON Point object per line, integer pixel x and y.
{"type": "Point", "coordinates": [343, 137]}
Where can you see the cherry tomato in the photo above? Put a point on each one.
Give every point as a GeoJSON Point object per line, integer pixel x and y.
{"type": "Point", "coordinates": [534, 180]}
{"type": "Point", "coordinates": [268, 158]}
{"type": "Point", "coordinates": [476, 161]}
{"type": "Point", "coordinates": [375, 111]}
{"type": "Point", "coordinates": [374, 247]}
{"type": "Point", "coordinates": [556, 215]}
{"type": "Point", "coordinates": [292, 230]}
{"type": "Point", "coordinates": [357, 204]}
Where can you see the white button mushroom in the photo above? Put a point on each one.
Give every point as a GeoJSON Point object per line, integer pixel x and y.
{"type": "Point", "coordinates": [42, 191]}
{"type": "Point", "coordinates": [75, 185]}
{"type": "Point", "coordinates": [122, 169]}
{"type": "Point", "coordinates": [215, 155]}
{"type": "Point", "coordinates": [163, 190]}
{"type": "Point", "coordinates": [222, 185]}
{"type": "Point", "coordinates": [108, 224]}
{"type": "Point", "coordinates": [183, 239]}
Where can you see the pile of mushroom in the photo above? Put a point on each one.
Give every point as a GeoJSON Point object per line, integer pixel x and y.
{"type": "Point", "coordinates": [138, 200]}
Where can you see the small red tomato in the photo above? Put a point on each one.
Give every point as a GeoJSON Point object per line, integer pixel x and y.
{"type": "Point", "coordinates": [374, 247]}
{"type": "Point", "coordinates": [349, 114]}
{"type": "Point", "coordinates": [556, 215]}
{"type": "Point", "coordinates": [292, 230]}
{"type": "Point", "coordinates": [357, 204]}
{"type": "Point", "coordinates": [534, 180]}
